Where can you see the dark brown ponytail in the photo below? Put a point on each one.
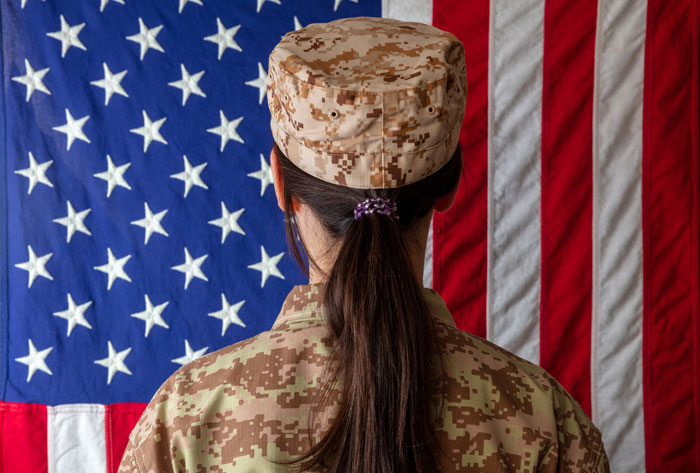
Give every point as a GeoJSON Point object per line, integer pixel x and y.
{"type": "Point", "coordinates": [386, 354]}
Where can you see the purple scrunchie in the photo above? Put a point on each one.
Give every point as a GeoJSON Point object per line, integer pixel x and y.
{"type": "Point", "coordinates": [379, 205]}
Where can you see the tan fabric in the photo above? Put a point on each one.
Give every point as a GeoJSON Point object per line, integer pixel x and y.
{"type": "Point", "coordinates": [237, 408]}
{"type": "Point", "coordinates": [367, 102]}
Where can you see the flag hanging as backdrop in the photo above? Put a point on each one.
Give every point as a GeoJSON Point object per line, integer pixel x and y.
{"type": "Point", "coordinates": [139, 227]}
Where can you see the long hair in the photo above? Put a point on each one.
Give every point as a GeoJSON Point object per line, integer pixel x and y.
{"type": "Point", "coordinates": [386, 352]}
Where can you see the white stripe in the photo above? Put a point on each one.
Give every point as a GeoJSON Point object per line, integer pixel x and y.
{"type": "Point", "coordinates": [428, 261]}
{"type": "Point", "coordinates": [616, 345]}
{"type": "Point", "coordinates": [514, 153]}
{"type": "Point", "coordinates": [76, 438]}
{"type": "Point", "coordinates": [420, 11]}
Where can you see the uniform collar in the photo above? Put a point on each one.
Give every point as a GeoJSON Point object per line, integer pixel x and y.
{"type": "Point", "coordinates": [304, 302]}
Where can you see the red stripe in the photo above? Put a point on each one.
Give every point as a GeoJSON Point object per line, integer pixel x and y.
{"type": "Point", "coordinates": [120, 419]}
{"type": "Point", "coordinates": [695, 226]}
{"type": "Point", "coordinates": [23, 438]}
{"type": "Point", "coordinates": [459, 235]}
{"type": "Point", "coordinates": [567, 193]}
{"type": "Point", "coordinates": [670, 232]}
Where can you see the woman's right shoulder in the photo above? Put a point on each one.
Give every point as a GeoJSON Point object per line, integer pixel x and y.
{"type": "Point", "coordinates": [522, 404]}
{"type": "Point", "coordinates": [477, 357]}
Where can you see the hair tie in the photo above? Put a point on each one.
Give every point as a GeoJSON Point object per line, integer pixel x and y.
{"type": "Point", "coordinates": [379, 205]}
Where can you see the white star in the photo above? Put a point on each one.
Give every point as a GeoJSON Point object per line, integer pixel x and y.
{"type": "Point", "coordinates": [68, 36]}
{"type": "Point", "coordinates": [103, 3]}
{"type": "Point", "coordinates": [147, 38]}
{"type": "Point", "coordinates": [191, 268]}
{"type": "Point", "coordinates": [111, 83]}
{"type": "Point", "coordinates": [114, 361]}
{"type": "Point", "coordinates": [268, 266]}
{"type": "Point", "coordinates": [228, 314]}
{"type": "Point", "coordinates": [224, 37]}
{"type": "Point", "coordinates": [151, 222]}
{"type": "Point", "coordinates": [260, 83]}
{"type": "Point", "coordinates": [35, 360]}
{"type": "Point", "coordinates": [261, 2]}
{"type": "Point", "coordinates": [227, 130]}
{"type": "Point", "coordinates": [228, 222]}
{"type": "Point", "coordinates": [74, 221]}
{"type": "Point", "coordinates": [297, 23]}
{"type": "Point", "coordinates": [264, 175]}
{"type": "Point", "coordinates": [114, 175]}
{"type": "Point", "coordinates": [35, 173]}
{"type": "Point", "coordinates": [337, 3]}
{"type": "Point", "coordinates": [35, 266]}
{"type": "Point", "coordinates": [184, 2]}
{"type": "Point", "coordinates": [114, 268]}
{"type": "Point", "coordinates": [190, 176]}
{"type": "Point", "coordinates": [150, 131]}
{"type": "Point", "coordinates": [73, 129]}
{"type": "Point", "coordinates": [151, 315]}
{"type": "Point", "coordinates": [190, 355]}
{"type": "Point", "coordinates": [33, 80]}
{"type": "Point", "coordinates": [189, 84]}
{"type": "Point", "coordinates": [74, 314]}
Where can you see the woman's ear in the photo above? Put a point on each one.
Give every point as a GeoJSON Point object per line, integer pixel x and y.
{"type": "Point", "coordinates": [277, 180]}
{"type": "Point", "coordinates": [446, 201]}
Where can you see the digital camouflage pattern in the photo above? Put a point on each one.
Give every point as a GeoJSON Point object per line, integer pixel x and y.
{"type": "Point", "coordinates": [235, 409]}
{"type": "Point", "coordinates": [367, 102]}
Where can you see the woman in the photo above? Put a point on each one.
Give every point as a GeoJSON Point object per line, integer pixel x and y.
{"type": "Point", "coordinates": [364, 369]}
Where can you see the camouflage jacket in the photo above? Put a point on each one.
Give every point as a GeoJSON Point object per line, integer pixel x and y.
{"type": "Point", "coordinates": [235, 409]}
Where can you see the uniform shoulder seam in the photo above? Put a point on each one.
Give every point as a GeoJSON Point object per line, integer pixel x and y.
{"type": "Point", "coordinates": [600, 451]}
{"type": "Point", "coordinates": [535, 367]}
{"type": "Point", "coordinates": [137, 459]}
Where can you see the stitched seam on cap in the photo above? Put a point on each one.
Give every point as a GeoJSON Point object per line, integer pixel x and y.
{"type": "Point", "coordinates": [381, 146]}
{"type": "Point", "coordinates": [301, 143]}
{"type": "Point", "coordinates": [287, 73]}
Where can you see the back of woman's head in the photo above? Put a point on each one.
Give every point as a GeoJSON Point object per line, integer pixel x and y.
{"type": "Point", "coordinates": [371, 108]}
{"type": "Point", "coordinates": [386, 350]}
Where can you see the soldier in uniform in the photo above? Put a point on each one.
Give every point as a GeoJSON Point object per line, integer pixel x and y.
{"type": "Point", "coordinates": [364, 369]}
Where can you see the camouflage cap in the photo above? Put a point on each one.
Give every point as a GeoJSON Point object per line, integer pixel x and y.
{"type": "Point", "coordinates": [370, 103]}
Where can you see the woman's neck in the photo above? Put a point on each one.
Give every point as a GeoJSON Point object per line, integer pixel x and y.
{"type": "Point", "coordinates": [323, 250]}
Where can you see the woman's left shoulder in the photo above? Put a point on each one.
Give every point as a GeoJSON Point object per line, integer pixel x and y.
{"type": "Point", "coordinates": [185, 400]}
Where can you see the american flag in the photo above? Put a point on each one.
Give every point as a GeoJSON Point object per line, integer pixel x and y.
{"type": "Point", "coordinates": [139, 228]}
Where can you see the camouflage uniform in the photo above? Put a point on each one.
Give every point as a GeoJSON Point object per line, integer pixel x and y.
{"type": "Point", "coordinates": [235, 409]}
